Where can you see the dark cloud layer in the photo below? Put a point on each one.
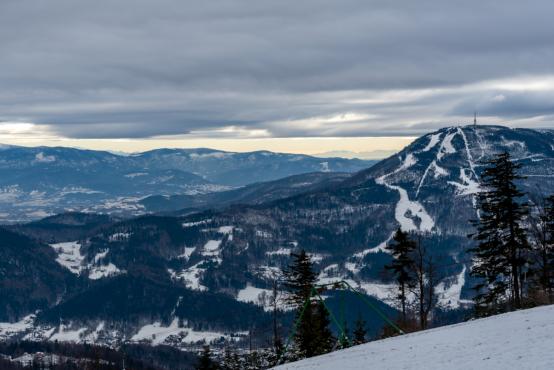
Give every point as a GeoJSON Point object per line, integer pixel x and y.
{"type": "Point", "coordinates": [137, 68]}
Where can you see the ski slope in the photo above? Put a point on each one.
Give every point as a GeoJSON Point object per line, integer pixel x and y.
{"type": "Point", "coordinates": [516, 340]}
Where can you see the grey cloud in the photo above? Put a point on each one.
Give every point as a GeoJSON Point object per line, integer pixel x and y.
{"type": "Point", "coordinates": [137, 68]}
{"type": "Point", "coordinates": [510, 104]}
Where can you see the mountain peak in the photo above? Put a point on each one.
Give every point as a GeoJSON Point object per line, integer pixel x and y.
{"type": "Point", "coordinates": [449, 161]}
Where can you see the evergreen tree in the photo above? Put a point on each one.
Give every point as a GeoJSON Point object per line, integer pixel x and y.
{"type": "Point", "coordinates": [312, 336]}
{"type": "Point", "coordinates": [323, 340]}
{"type": "Point", "coordinates": [299, 279]}
{"type": "Point", "coordinates": [401, 249]}
{"type": "Point", "coordinates": [502, 242]}
{"type": "Point", "coordinates": [344, 337]}
{"type": "Point", "coordinates": [360, 331]}
{"type": "Point", "coordinates": [205, 361]}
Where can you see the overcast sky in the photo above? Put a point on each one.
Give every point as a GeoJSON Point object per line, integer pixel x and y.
{"type": "Point", "coordinates": [195, 72]}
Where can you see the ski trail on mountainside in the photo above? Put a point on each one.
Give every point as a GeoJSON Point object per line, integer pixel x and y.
{"type": "Point", "coordinates": [406, 205]}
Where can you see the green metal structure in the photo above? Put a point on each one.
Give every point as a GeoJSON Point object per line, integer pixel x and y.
{"type": "Point", "coordinates": [316, 293]}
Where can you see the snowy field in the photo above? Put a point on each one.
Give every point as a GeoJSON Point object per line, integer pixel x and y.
{"type": "Point", "coordinates": [517, 340]}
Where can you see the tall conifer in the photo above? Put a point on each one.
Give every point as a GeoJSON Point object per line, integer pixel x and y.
{"type": "Point", "coordinates": [312, 336]}
{"type": "Point", "coordinates": [500, 254]}
{"type": "Point", "coordinates": [401, 249]}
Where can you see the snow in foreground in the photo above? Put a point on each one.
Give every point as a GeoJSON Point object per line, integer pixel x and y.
{"type": "Point", "coordinates": [516, 340]}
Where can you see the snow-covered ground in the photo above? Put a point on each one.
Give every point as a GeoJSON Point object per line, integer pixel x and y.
{"type": "Point", "coordinates": [190, 276]}
{"type": "Point", "coordinates": [157, 334]}
{"type": "Point", "coordinates": [516, 340]}
{"type": "Point", "coordinates": [405, 206]}
{"type": "Point", "coordinates": [70, 257]}
{"type": "Point", "coordinates": [254, 295]}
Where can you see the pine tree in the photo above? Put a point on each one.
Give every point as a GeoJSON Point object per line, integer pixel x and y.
{"type": "Point", "coordinates": [360, 331]}
{"type": "Point", "coordinates": [502, 242]}
{"type": "Point", "coordinates": [299, 279]}
{"type": "Point", "coordinates": [312, 336]}
{"type": "Point", "coordinates": [401, 249]}
{"type": "Point", "coordinates": [323, 339]}
{"type": "Point", "coordinates": [344, 337]}
{"type": "Point", "coordinates": [205, 361]}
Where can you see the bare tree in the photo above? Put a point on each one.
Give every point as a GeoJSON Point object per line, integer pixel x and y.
{"type": "Point", "coordinates": [275, 299]}
{"type": "Point", "coordinates": [425, 272]}
{"type": "Point", "coordinates": [401, 249]}
{"type": "Point", "coordinates": [540, 220]}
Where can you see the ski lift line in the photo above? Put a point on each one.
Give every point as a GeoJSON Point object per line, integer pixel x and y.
{"type": "Point", "coordinates": [363, 298]}
{"type": "Point", "coordinates": [315, 293]}
{"type": "Point", "coordinates": [343, 333]}
{"type": "Point", "coordinates": [294, 329]}
{"type": "Point", "coordinates": [336, 285]}
{"type": "Point", "coordinates": [373, 307]}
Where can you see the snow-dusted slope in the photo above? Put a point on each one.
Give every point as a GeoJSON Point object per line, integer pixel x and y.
{"type": "Point", "coordinates": [517, 340]}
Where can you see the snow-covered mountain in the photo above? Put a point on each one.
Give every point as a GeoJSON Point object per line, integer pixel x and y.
{"type": "Point", "coordinates": [170, 275]}
{"type": "Point", "coordinates": [429, 187]}
{"type": "Point", "coordinates": [36, 182]}
{"type": "Point", "coordinates": [516, 340]}
{"type": "Point", "coordinates": [436, 176]}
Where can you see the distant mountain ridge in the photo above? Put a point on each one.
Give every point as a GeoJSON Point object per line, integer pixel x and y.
{"type": "Point", "coordinates": [40, 181]}
{"type": "Point", "coordinates": [371, 155]}
{"type": "Point", "coordinates": [256, 193]}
